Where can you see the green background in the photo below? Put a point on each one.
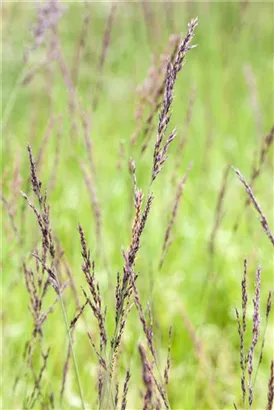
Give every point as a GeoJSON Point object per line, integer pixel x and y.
{"type": "Point", "coordinates": [223, 131]}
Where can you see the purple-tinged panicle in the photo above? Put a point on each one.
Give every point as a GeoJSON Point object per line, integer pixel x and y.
{"type": "Point", "coordinates": [35, 183]}
{"type": "Point", "coordinates": [179, 193]}
{"type": "Point", "coordinates": [242, 355]}
{"type": "Point", "coordinates": [125, 390]}
{"type": "Point", "coordinates": [244, 296]}
{"type": "Point", "coordinates": [147, 379]}
{"type": "Point", "coordinates": [255, 333]}
{"type": "Point", "coordinates": [263, 219]}
{"type": "Point", "coordinates": [270, 397]}
{"type": "Point", "coordinates": [48, 16]}
{"type": "Point", "coordinates": [88, 268]}
{"type": "Point", "coordinates": [268, 304]}
{"type": "Point", "coordinates": [160, 149]}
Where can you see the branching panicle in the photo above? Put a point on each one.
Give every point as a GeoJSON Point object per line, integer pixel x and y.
{"type": "Point", "coordinates": [263, 219]}
{"type": "Point", "coordinates": [244, 296]}
{"type": "Point", "coordinates": [173, 67]}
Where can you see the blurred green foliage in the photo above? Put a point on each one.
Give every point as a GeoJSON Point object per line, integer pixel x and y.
{"type": "Point", "coordinates": [223, 130]}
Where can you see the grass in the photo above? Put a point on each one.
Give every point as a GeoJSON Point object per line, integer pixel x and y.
{"type": "Point", "coordinates": [196, 291]}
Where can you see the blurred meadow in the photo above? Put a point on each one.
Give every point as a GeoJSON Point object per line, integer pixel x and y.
{"type": "Point", "coordinates": [77, 86]}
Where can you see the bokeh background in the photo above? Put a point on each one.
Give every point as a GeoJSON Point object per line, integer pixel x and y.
{"type": "Point", "coordinates": [227, 84]}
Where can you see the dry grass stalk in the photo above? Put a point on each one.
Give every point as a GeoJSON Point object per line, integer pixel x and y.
{"type": "Point", "coordinates": [169, 10]}
{"type": "Point", "coordinates": [64, 69]}
{"type": "Point", "coordinates": [149, 22]}
{"type": "Point", "coordinates": [151, 90]}
{"type": "Point", "coordinates": [167, 240]}
{"type": "Point", "coordinates": [50, 126]}
{"type": "Point", "coordinates": [104, 51]}
{"type": "Point", "coordinates": [80, 45]}
{"type": "Point", "coordinates": [73, 103]}
{"type": "Point", "coordinates": [263, 219]}
{"type": "Point", "coordinates": [184, 136]}
{"type": "Point", "coordinates": [56, 160]}
{"type": "Point", "coordinates": [50, 75]}
{"type": "Point", "coordinates": [200, 353]}
{"type": "Point", "coordinates": [265, 147]}
{"type": "Point", "coordinates": [106, 36]}
{"type": "Point", "coordinates": [208, 145]}
{"type": "Point", "coordinates": [202, 357]}
{"type": "Point", "coordinates": [121, 155]}
{"type": "Point", "coordinates": [15, 183]}
{"type": "Point", "coordinates": [218, 210]}
{"type": "Point", "coordinates": [253, 94]}
{"type": "Point", "coordinates": [89, 181]}
{"type": "Point", "coordinates": [68, 273]}
{"type": "Point", "coordinates": [10, 212]}
{"type": "Point", "coordinates": [257, 169]}
{"type": "Point", "coordinates": [88, 142]}
{"type": "Point", "coordinates": [160, 148]}
{"type": "Point", "coordinates": [43, 66]}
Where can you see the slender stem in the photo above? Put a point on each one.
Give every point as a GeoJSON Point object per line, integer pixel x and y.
{"type": "Point", "coordinates": [261, 353]}
{"type": "Point", "coordinates": [111, 357]}
{"type": "Point", "coordinates": [72, 352]}
{"type": "Point", "coordinates": [12, 97]}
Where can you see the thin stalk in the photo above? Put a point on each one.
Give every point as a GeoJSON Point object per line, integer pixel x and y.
{"type": "Point", "coordinates": [12, 97]}
{"type": "Point", "coordinates": [261, 353]}
{"type": "Point", "coordinates": [72, 352]}
{"type": "Point", "coordinates": [107, 382]}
